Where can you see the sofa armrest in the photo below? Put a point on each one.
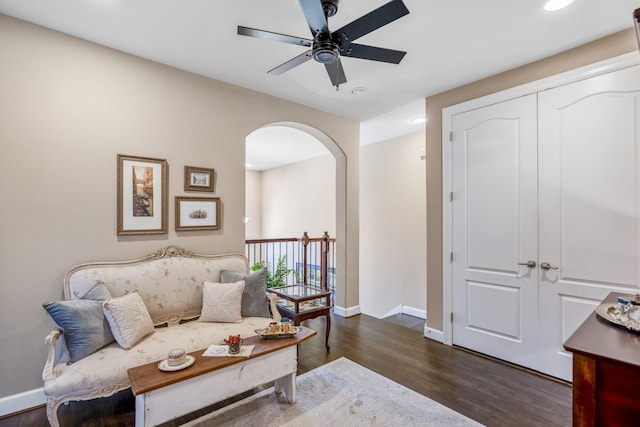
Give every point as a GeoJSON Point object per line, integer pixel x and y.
{"type": "Point", "coordinates": [55, 352]}
{"type": "Point", "coordinates": [273, 299]}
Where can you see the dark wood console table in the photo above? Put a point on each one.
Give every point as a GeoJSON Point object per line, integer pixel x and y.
{"type": "Point", "coordinates": [301, 302]}
{"type": "Point", "coordinates": [606, 373]}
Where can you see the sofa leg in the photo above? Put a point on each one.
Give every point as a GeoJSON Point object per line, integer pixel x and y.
{"type": "Point", "coordinates": [52, 412]}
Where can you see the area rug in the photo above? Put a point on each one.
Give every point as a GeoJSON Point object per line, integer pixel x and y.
{"type": "Point", "coordinates": [340, 393]}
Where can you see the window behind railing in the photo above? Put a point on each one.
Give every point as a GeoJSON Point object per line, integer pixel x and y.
{"type": "Point", "coordinates": [307, 259]}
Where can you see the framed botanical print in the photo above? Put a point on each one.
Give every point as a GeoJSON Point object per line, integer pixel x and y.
{"type": "Point", "coordinates": [197, 213]}
{"type": "Point", "coordinates": [142, 195]}
{"type": "Point", "coordinates": [198, 179]}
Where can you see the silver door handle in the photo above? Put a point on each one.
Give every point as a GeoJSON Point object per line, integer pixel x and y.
{"type": "Point", "coordinates": [531, 263]}
{"type": "Point", "coordinates": [547, 266]}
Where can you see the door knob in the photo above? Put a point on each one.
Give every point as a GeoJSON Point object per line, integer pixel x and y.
{"type": "Point", "coordinates": [547, 266]}
{"type": "Point", "coordinates": [531, 263]}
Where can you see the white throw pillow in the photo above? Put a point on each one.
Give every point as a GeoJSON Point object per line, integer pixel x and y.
{"type": "Point", "coordinates": [128, 318]}
{"type": "Point", "coordinates": [222, 302]}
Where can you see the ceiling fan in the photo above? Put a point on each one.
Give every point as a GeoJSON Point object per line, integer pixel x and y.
{"type": "Point", "coordinates": [327, 47]}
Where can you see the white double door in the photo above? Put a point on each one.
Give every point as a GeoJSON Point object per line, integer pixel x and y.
{"type": "Point", "coordinates": [545, 216]}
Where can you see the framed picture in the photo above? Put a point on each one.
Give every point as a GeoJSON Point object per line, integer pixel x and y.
{"type": "Point", "coordinates": [143, 185]}
{"type": "Point", "coordinates": [198, 179]}
{"type": "Point", "coordinates": [197, 213]}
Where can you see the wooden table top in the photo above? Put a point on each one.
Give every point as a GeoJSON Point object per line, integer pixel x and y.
{"type": "Point", "coordinates": [149, 377]}
{"type": "Point", "coordinates": [599, 338]}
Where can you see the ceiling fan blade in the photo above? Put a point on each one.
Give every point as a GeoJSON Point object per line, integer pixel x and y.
{"type": "Point", "coordinates": [373, 20]}
{"type": "Point", "coordinates": [314, 14]}
{"type": "Point", "coordinates": [336, 73]}
{"type": "Point", "coordinates": [262, 34]}
{"type": "Point", "coordinates": [294, 62]}
{"type": "Point", "coordinates": [373, 53]}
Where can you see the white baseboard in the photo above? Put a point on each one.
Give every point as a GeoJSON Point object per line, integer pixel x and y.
{"type": "Point", "coordinates": [22, 401]}
{"type": "Point", "coordinates": [433, 334]}
{"type": "Point", "coordinates": [415, 312]}
{"type": "Point", "coordinates": [405, 309]}
{"type": "Point", "coordinates": [346, 312]}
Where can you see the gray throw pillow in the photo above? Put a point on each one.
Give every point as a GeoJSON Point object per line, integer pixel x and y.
{"type": "Point", "coordinates": [254, 296]}
{"type": "Point", "coordinates": [83, 323]}
{"type": "Point", "coordinates": [98, 292]}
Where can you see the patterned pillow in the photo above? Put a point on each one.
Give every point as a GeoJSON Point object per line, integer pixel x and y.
{"type": "Point", "coordinates": [221, 302]}
{"type": "Point", "coordinates": [254, 296]}
{"type": "Point", "coordinates": [129, 319]}
{"type": "Point", "coordinates": [82, 322]}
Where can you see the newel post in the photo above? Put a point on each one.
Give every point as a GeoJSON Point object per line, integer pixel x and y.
{"type": "Point", "coordinates": [305, 244]}
{"type": "Point", "coordinates": [324, 261]}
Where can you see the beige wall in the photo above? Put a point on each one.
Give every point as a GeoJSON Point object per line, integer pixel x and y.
{"type": "Point", "coordinates": [253, 204]}
{"type": "Point", "coordinates": [599, 50]}
{"type": "Point", "coordinates": [299, 197]}
{"type": "Point", "coordinates": [67, 108]}
{"type": "Point", "coordinates": [392, 226]}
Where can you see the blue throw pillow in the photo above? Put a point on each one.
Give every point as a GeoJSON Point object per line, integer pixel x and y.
{"type": "Point", "coordinates": [254, 296]}
{"type": "Point", "coordinates": [83, 323]}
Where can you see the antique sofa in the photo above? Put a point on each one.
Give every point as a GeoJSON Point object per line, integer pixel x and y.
{"type": "Point", "coordinates": [170, 284]}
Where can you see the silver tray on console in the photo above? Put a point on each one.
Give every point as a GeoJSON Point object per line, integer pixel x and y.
{"type": "Point", "coordinates": [264, 335]}
{"type": "Point", "coordinates": [614, 314]}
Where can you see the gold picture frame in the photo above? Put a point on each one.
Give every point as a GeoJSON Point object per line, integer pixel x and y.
{"type": "Point", "coordinates": [197, 213]}
{"type": "Point", "coordinates": [199, 179]}
{"type": "Point", "coordinates": [143, 194]}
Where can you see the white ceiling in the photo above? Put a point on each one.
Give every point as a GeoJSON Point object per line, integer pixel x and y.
{"type": "Point", "coordinates": [448, 44]}
{"type": "Point", "coordinates": [273, 146]}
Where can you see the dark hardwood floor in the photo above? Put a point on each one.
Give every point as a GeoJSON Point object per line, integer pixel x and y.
{"type": "Point", "coordinates": [488, 391]}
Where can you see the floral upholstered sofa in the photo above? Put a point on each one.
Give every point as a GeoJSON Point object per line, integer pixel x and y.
{"type": "Point", "coordinates": [117, 315]}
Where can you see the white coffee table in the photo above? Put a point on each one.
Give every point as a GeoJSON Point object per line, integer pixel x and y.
{"type": "Point", "coordinates": [162, 396]}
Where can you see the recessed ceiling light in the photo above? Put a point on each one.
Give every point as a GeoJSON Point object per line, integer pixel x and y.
{"type": "Point", "coordinates": [247, 165]}
{"type": "Point", "coordinates": [418, 120]}
{"type": "Point", "coordinates": [359, 91]}
{"type": "Point", "coordinates": [557, 4]}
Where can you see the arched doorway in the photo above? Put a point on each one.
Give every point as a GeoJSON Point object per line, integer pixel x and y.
{"type": "Point", "coordinates": [292, 211]}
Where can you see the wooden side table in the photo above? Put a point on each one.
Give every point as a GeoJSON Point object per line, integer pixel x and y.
{"type": "Point", "coordinates": [606, 372]}
{"type": "Point", "coordinates": [301, 302]}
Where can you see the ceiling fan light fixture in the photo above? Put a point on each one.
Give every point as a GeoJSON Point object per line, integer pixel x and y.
{"type": "Point", "coordinates": [326, 52]}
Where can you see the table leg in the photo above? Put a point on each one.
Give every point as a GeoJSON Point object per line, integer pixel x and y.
{"type": "Point", "coordinates": [288, 385]}
{"type": "Point", "coordinates": [140, 411]}
{"type": "Point", "coordinates": [327, 330]}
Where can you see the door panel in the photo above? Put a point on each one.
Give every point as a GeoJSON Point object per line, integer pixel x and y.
{"type": "Point", "coordinates": [483, 298]}
{"type": "Point", "coordinates": [589, 198]}
{"type": "Point", "coordinates": [494, 182]}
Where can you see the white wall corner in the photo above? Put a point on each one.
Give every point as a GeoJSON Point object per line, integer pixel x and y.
{"type": "Point", "coordinates": [346, 312]}
{"type": "Point", "coordinates": [395, 310]}
{"type": "Point", "coordinates": [22, 401]}
{"type": "Point", "coordinates": [433, 334]}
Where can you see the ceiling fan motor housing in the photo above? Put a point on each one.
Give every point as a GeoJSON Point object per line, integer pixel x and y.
{"type": "Point", "coordinates": [325, 51]}
{"type": "Point", "coordinates": [330, 7]}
